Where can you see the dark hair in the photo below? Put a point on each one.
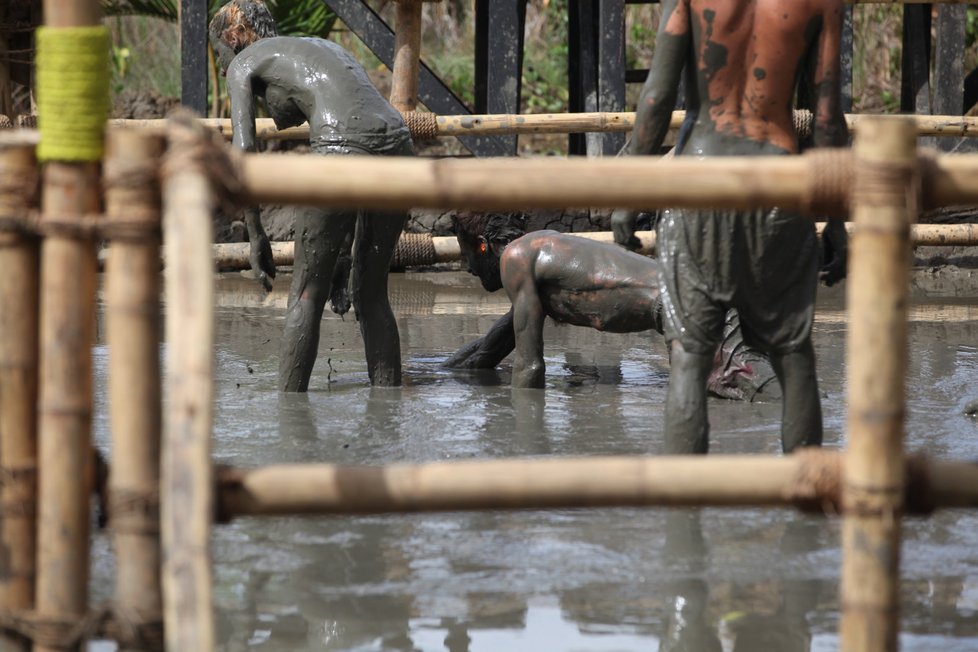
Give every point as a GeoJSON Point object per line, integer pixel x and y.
{"type": "Point", "coordinates": [495, 227]}
{"type": "Point", "coordinates": [252, 15]}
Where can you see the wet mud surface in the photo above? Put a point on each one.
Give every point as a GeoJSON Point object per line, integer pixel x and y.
{"type": "Point", "coordinates": [620, 579]}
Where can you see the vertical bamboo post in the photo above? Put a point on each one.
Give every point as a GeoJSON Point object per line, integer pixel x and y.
{"type": "Point", "coordinates": [132, 326]}
{"type": "Point", "coordinates": [407, 55]}
{"type": "Point", "coordinates": [187, 487]}
{"type": "Point", "coordinates": [884, 204]}
{"type": "Point", "coordinates": [67, 330]}
{"type": "Point", "coordinates": [19, 263]}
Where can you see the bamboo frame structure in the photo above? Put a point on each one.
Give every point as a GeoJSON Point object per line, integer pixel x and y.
{"type": "Point", "coordinates": [885, 199]}
{"type": "Point", "coordinates": [132, 313]}
{"type": "Point", "coordinates": [67, 331]}
{"type": "Point", "coordinates": [407, 55]}
{"type": "Point", "coordinates": [186, 489]}
{"type": "Point", "coordinates": [19, 260]}
{"type": "Point", "coordinates": [555, 123]}
{"type": "Point", "coordinates": [809, 480]}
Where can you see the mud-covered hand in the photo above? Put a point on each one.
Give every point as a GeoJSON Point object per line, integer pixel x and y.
{"type": "Point", "coordinates": [623, 226]}
{"type": "Point", "coordinates": [262, 263]}
{"type": "Point", "coordinates": [835, 252]}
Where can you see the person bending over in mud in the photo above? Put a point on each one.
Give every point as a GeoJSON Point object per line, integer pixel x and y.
{"type": "Point", "coordinates": [316, 81]}
{"type": "Point", "coordinates": [578, 281]}
{"type": "Point", "coordinates": [743, 58]}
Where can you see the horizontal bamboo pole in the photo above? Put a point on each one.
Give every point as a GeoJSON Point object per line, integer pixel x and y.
{"type": "Point", "coordinates": [234, 255]}
{"type": "Point", "coordinates": [554, 123]}
{"type": "Point", "coordinates": [808, 479]}
{"type": "Point", "coordinates": [381, 182]}
{"type": "Point", "coordinates": [629, 182]}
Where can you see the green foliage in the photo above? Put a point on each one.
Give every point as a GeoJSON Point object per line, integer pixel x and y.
{"type": "Point", "coordinates": [293, 17]}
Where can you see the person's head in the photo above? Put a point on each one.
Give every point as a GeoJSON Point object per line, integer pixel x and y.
{"type": "Point", "coordinates": [237, 25]}
{"type": "Point", "coordinates": [482, 237]}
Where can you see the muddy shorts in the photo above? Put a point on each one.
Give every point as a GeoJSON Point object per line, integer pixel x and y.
{"type": "Point", "coordinates": [393, 143]}
{"type": "Point", "coordinates": [764, 263]}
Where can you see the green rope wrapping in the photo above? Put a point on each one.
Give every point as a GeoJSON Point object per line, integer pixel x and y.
{"type": "Point", "coordinates": [72, 92]}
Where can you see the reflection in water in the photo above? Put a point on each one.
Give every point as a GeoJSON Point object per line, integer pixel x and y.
{"type": "Point", "coordinates": [600, 579]}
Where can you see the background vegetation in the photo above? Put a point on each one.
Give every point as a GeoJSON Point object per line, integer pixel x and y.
{"type": "Point", "coordinates": [146, 59]}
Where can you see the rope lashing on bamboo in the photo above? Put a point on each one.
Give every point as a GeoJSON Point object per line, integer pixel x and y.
{"type": "Point", "coordinates": [140, 224]}
{"type": "Point", "coordinates": [6, 122]}
{"type": "Point", "coordinates": [72, 92]}
{"type": "Point", "coordinates": [830, 174]}
{"type": "Point", "coordinates": [25, 478]}
{"type": "Point", "coordinates": [414, 249]}
{"type": "Point", "coordinates": [804, 121]}
{"type": "Point", "coordinates": [192, 144]}
{"type": "Point", "coordinates": [135, 511]}
{"type": "Point", "coordinates": [112, 621]}
{"type": "Point", "coordinates": [27, 121]}
{"type": "Point", "coordinates": [423, 125]}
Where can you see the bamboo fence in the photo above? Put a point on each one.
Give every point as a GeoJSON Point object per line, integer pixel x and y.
{"type": "Point", "coordinates": [872, 485]}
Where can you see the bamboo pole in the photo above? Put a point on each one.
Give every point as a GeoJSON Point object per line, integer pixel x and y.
{"type": "Point", "coordinates": [808, 480]}
{"type": "Point", "coordinates": [19, 263]}
{"type": "Point", "coordinates": [407, 55]}
{"type": "Point", "coordinates": [885, 202]}
{"type": "Point", "coordinates": [187, 500]}
{"type": "Point", "coordinates": [67, 333]}
{"type": "Point", "coordinates": [632, 182]}
{"type": "Point", "coordinates": [507, 484]}
{"type": "Point", "coordinates": [556, 123]}
{"type": "Point", "coordinates": [132, 315]}
{"type": "Point", "coordinates": [234, 255]}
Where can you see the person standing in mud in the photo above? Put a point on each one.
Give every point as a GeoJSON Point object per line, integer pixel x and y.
{"type": "Point", "coordinates": [743, 58]}
{"type": "Point", "coordinates": [577, 281]}
{"type": "Point", "coordinates": [316, 81]}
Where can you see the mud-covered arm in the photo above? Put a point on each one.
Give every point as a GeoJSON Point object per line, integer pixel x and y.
{"type": "Point", "coordinates": [487, 351]}
{"type": "Point", "coordinates": [656, 101]}
{"type": "Point", "coordinates": [239, 85]}
{"type": "Point", "coordinates": [830, 131]}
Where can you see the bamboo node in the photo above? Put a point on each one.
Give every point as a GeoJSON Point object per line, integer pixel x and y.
{"type": "Point", "coordinates": [422, 125]}
{"type": "Point", "coordinates": [134, 511]}
{"type": "Point", "coordinates": [817, 485]}
{"type": "Point", "coordinates": [830, 171]}
{"type": "Point", "coordinates": [75, 227]}
{"type": "Point", "coordinates": [138, 227]}
{"type": "Point", "coordinates": [413, 249]}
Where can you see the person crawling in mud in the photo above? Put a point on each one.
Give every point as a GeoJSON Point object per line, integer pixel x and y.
{"type": "Point", "coordinates": [316, 81]}
{"type": "Point", "coordinates": [743, 59]}
{"type": "Point", "coordinates": [581, 282]}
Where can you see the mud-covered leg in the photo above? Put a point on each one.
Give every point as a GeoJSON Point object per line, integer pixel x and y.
{"type": "Point", "coordinates": [529, 369]}
{"type": "Point", "coordinates": [687, 425]}
{"type": "Point", "coordinates": [377, 235]}
{"type": "Point", "coordinates": [319, 237]}
{"type": "Point", "coordinates": [801, 420]}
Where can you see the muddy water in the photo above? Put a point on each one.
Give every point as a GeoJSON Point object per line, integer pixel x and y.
{"type": "Point", "coordinates": [622, 579]}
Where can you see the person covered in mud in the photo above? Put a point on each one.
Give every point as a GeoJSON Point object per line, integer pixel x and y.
{"type": "Point", "coordinates": [742, 58]}
{"type": "Point", "coordinates": [316, 81]}
{"type": "Point", "coordinates": [578, 281]}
